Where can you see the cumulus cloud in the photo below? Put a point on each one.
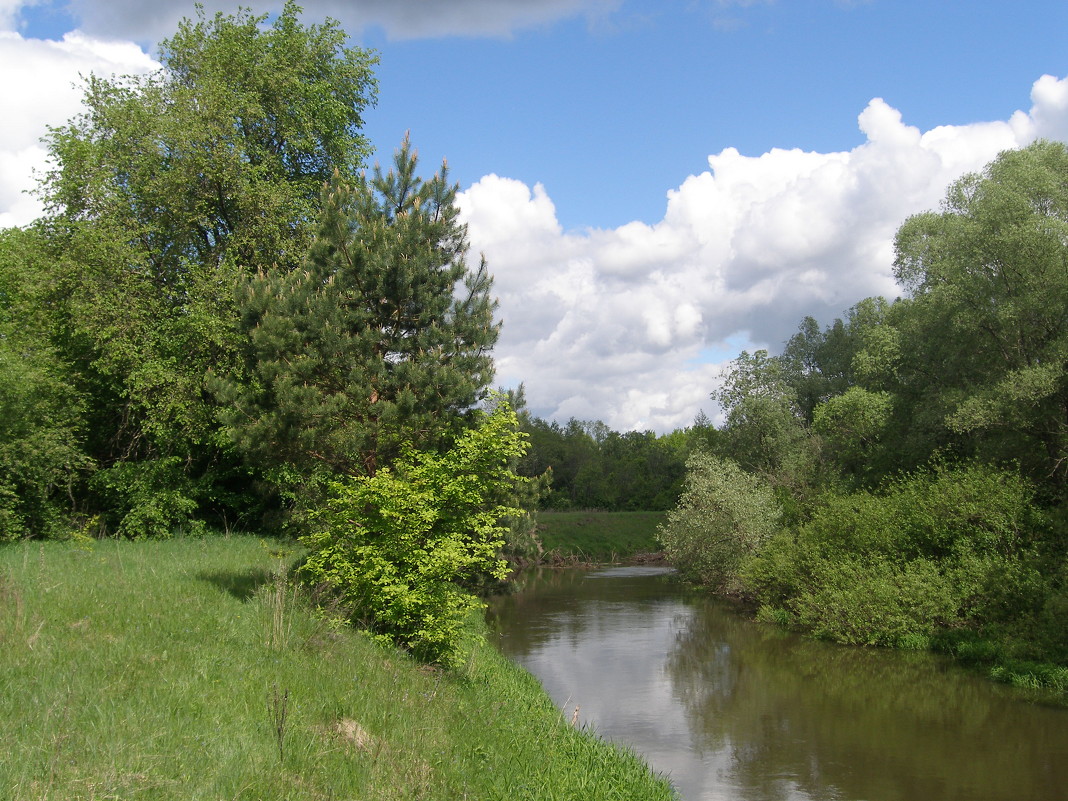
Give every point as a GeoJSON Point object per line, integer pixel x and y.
{"type": "Point", "coordinates": [401, 19]}
{"type": "Point", "coordinates": [9, 13]}
{"type": "Point", "coordinates": [632, 325]}
{"type": "Point", "coordinates": [41, 87]}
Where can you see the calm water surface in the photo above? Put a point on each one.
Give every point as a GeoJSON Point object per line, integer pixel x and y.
{"type": "Point", "coordinates": [735, 711]}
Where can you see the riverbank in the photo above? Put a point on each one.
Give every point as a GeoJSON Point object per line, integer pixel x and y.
{"type": "Point", "coordinates": [736, 710]}
{"type": "Point", "coordinates": [188, 669]}
{"type": "Point", "coordinates": [599, 537]}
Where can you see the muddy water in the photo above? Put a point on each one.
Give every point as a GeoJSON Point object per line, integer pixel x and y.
{"type": "Point", "coordinates": [735, 711]}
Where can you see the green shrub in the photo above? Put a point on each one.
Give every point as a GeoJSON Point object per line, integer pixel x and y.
{"type": "Point", "coordinates": [724, 517]}
{"type": "Point", "coordinates": [780, 570]}
{"type": "Point", "coordinates": [151, 498]}
{"type": "Point", "coordinates": [40, 453]}
{"type": "Point", "coordinates": [991, 511]}
{"type": "Point", "coordinates": [398, 548]}
{"type": "Point", "coordinates": [875, 601]}
{"type": "Point", "coordinates": [935, 549]}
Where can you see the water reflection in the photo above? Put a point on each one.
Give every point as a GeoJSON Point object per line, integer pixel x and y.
{"type": "Point", "coordinates": [734, 710]}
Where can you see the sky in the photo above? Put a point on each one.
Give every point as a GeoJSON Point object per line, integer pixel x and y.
{"type": "Point", "coordinates": [656, 186]}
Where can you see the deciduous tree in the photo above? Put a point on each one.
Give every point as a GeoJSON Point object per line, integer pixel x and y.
{"type": "Point", "coordinates": [988, 323]}
{"type": "Point", "coordinates": [165, 191]}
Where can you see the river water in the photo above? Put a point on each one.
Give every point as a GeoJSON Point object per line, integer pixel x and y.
{"type": "Point", "coordinates": [731, 710]}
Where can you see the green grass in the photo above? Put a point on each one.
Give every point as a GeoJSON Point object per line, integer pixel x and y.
{"type": "Point", "coordinates": [599, 536]}
{"type": "Point", "coordinates": [187, 669]}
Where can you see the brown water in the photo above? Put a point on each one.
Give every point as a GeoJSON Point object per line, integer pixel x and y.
{"type": "Point", "coordinates": [735, 711]}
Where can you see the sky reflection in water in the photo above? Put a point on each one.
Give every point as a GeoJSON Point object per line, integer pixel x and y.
{"type": "Point", "coordinates": [734, 710]}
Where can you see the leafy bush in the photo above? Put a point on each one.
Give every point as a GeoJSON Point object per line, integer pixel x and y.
{"type": "Point", "coordinates": [398, 547]}
{"type": "Point", "coordinates": [938, 548]}
{"type": "Point", "coordinates": [150, 498]}
{"type": "Point", "coordinates": [40, 453]}
{"type": "Point", "coordinates": [875, 601]}
{"type": "Point", "coordinates": [724, 516]}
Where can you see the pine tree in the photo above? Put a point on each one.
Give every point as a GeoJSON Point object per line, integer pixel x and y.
{"type": "Point", "coordinates": [381, 339]}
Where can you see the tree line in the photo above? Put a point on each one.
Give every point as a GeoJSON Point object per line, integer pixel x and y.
{"type": "Point", "coordinates": [899, 476]}
{"type": "Point", "coordinates": [591, 466]}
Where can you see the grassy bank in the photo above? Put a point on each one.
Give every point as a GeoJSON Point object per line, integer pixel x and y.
{"type": "Point", "coordinates": [599, 536]}
{"type": "Point", "coordinates": [185, 669]}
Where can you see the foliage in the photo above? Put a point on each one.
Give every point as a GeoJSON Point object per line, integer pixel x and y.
{"type": "Point", "coordinates": [852, 424]}
{"type": "Point", "coordinates": [521, 541]}
{"type": "Point", "coordinates": [166, 190]}
{"type": "Point", "coordinates": [40, 451]}
{"type": "Point", "coordinates": [818, 365]}
{"type": "Point", "coordinates": [765, 431]}
{"type": "Point", "coordinates": [382, 337]}
{"type": "Point", "coordinates": [221, 155]}
{"type": "Point", "coordinates": [397, 547]}
{"type": "Point", "coordinates": [594, 467]}
{"type": "Point", "coordinates": [931, 550]}
{"type": "Point", "coordinates": [723, 519]}
{"type": "Point", "coordinates": [42, 459]}
{"type": "Point", "coordinates": [988, 323]}
{"type": "Point", "coordinates": [875, 601]}
{"type": "Point", "coordinates": [148, 498]}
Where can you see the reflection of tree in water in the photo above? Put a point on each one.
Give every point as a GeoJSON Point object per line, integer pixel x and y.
{"type": "Point", "coordinates": [802, 719]}
{"type": "Point", "coordinates": [550, 604]}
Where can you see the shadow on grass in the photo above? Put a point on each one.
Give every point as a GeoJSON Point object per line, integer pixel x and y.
{"type": "Point", "coordinates": [242, 584]}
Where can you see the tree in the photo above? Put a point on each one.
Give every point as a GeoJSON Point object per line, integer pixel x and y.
{"type": "Point", "coordinates": [381, 339]}
{"type": "Point", "coordinates": [987, 330]}
{"type": "Point", "coordinates": [817, 365]}
{"type": "Point", "coordinates": [765, 431]}
{"type": "Point", "coordinates": [852, 423]}
{"type": "Point", "coordinates": [221, 155]}
{"type": "Point", "coordinates": [723, 518]}
{"type": "Point", "coordinates": [165, 191]}
{"type": "Point", "coordinates": [41, 412]}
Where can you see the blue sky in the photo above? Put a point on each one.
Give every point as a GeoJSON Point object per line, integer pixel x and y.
{"type": "Point", "coordinates": [609, 113]}
{"type": "Point", "coordinates": [791, 137]}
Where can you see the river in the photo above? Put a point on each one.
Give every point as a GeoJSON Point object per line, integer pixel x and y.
{"type": "Point", "coordinates": [731, 710]}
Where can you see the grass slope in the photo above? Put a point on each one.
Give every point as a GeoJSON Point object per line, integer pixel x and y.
{"type": "Point", "coordinates": [599, 536]}
{"type": "Point", "coordinates": [185, 669]}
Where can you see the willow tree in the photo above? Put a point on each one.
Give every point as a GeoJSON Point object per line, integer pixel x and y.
{"type": "Point", "coordinates": [382, 338]}
{"type": "Point", "coordinates": [987, 327]}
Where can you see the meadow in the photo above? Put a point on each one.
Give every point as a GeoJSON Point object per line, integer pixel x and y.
{"type": "Point", "coordinates": [598, 536]}
{"type": "Point", "coordinates": [191, 668]}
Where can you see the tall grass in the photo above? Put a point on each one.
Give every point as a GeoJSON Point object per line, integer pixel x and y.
{"type": "Point", "coordinates": [191, 669]}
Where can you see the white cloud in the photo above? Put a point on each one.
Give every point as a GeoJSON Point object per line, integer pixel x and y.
{"type": "Point", "coordinates": [401, 19]}
{"type": "Point", "coordinates": [623, 324]}
{"type": "Point", "coordinates": [1049, 114]}
{"type": "Point", "coordinates": [41, 87]}
{"type": "Point", "coordinates": [616, 324]}
{"type": "Point", "coordinates": [9, 13]}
